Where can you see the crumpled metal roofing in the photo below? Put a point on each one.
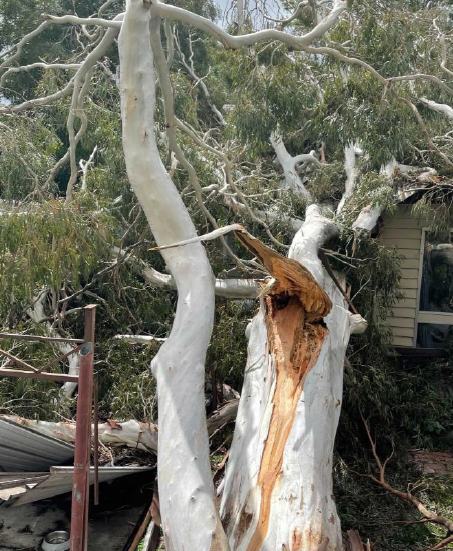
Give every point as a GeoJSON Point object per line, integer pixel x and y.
{"type": "Point", "coordinates": [20, 489]}
{"type": "Point", "coordinates": [23, 449]}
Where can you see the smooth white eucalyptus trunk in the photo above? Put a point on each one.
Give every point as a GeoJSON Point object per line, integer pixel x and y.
{"type": "Point", "coordinates": [278, 485]}
{"type": "Point", "coordinates": [189, 514]}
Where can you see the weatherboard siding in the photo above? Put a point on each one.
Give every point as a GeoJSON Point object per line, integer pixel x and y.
{"type": "Point", "coordinates": [403, 231]}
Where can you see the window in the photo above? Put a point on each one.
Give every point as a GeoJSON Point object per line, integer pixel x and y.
{"type": "Point", "coordinates": [435, 315]}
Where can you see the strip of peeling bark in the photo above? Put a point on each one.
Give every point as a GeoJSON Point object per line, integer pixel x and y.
{"type": "Point", "coordinates": [189, 514]}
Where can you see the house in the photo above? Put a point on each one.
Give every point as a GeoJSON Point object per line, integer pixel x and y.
{"type": "Point", "coordinates": [423, 319]}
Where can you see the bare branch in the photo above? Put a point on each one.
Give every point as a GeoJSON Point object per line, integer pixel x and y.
{"type": "Point", "coordinates": [230, 41]}
{"type": "Point", "coordinates": [39, 65]}
{"type": "Point", "coordinates": [74, 20]}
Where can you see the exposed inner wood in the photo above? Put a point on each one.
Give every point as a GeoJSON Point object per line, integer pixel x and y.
{"type": "Point", "coordinates": [291, 278]}
{"type": "Point", "coordinates": [294, 345]}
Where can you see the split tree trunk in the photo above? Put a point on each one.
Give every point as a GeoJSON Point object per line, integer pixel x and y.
{"type": "Point", "coordinates": [278, 484]}
{"type": "Point", "coordinates": [190, 518]}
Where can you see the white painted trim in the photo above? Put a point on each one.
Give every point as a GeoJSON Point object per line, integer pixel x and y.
{"type": "Point", "coordinates": [419, 284]}
{"type": "Point", "coordinates": [439, 318]}
{"type": "Point", "coordinates": [423, 316]}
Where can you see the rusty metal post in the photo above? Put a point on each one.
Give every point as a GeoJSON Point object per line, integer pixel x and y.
{"type": "Point", "coordinates": [81, 481]}
{"type": "Point", "coordinates": [96, 440]}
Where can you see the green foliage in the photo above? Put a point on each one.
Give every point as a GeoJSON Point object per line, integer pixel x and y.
{"type": "Point", "coordinates": [127, 388]}
{"type": "Point", "coordinates": [313, 101]}
{"type": "Point", "coordinates": [372, 189]}
{"type": "Point", "coordinates": [388, 522]}
{"type": "Point", "coordinates": [33, 399]}
{"type": "Point", "coordinates": [269, 95]}
{"type": "Point", "coordinates": [48, 244]}
{"type": "Point", "coordinates": [437, 206]}
{"type": "Point", "coordinates": [327, 183]}
{"type": "Point", "coordinates": [230, 324]}
{"type": "Point", "coordinates": [27, 151]}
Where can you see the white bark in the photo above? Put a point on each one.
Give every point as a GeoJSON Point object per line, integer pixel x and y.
{"type": "Point", "coordinates": [367, 218]}
{"type": "Point", "coordinates": [278, 483]}
{"type": "Point", "coordinates": [240, 7]}
{"type": "Point", "coordinates": [139, 339]}
{"type": "Point", "coordinates": [189, 514]}
{"type": "Point", "coordinates": [199, 81]}
{"type": "Point", "coordinates": [298, 42]}
{"type": "Point", "coordinates": [39, 65]}
{"type": "Point", "coordinates": [439, 107]}
{"type": "Point", "coordinates": [369, 215]}
{"type": "Point", "coordinates": [289, 166]}
{"type": "Point", "coordinates": [85, 66]}
{"type": "Point", "coordinates": [233, 288]}
{"type": "Point", "coordinates": [351, 152]}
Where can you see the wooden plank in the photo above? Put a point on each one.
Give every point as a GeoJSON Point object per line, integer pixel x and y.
{"type": "Point", "coordinates": [401, 233]}
{"type": "Point", "coordinates": [401, 223]}
{"type": "Point", "coordinates": [398, 312]}
{"type": "Point", "coordinates": [401, 322]}
{"type": "Point", "coordinates": [409, 284]}
{"type": "Point", "coordinates": [140, 530]}
{"type": "Point", "coordinates": [410, 263]}
{"type": "Point", "coordinates": [402, 243]}
{"type": "Point", "coordinates": [409, 253]}
{"type": "Point", "coordinates": [407, 303]}
{"type": "Point", "coordinates": [438, 318]}
{"type": "Point", "coordinates": [410, 294]}
{"type": "Point", "coordinates": [405, 212]}
{"type": "Point", "coordinates": [408, 273]}
{"type": "Point", "coordinates": [402, 341]}
{"type": "Point", "coordinates": [418, 354]}
{"type": "Point", "coordinates": [403, 332]}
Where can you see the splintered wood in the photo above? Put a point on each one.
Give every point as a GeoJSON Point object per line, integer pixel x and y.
{"type": "Point", "coordinates": [295, 308]}
{"type": "Point", "coordinates": [291, 278]}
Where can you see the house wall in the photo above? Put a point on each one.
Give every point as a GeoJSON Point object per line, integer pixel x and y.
{"type": "Point", "coordinates": [405, 232]}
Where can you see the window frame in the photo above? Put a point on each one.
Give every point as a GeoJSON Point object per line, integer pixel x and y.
{"type": "Point", "coordinates": [425, 316]}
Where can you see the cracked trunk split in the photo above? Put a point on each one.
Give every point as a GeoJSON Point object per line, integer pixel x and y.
{"type": "Point", "coordinates": [278, 486]}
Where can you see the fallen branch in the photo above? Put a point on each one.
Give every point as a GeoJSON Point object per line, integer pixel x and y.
{"type": "Point", "coordinates": [430, 516]}
{"type": "Point", "coordinates": [131, 433]}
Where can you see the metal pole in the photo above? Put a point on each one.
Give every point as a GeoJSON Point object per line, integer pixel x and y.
{"type": "Point", "coordinates": [82, 440]}
{"type": "Point", "coordinates": [96, 441]}
{"type": "Point", "coordinates": [90, 312]}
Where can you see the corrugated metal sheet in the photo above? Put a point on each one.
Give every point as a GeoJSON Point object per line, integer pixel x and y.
{"type": "Point", "coordinates": [23, 449]}
{"type": "Point", "coordinates": [58, 481]}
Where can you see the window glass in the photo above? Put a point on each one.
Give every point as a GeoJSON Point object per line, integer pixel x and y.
{"type": "Point", "coordinates": [436, 293]}
{"type": "Point", "coordinates": [432, 335]}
